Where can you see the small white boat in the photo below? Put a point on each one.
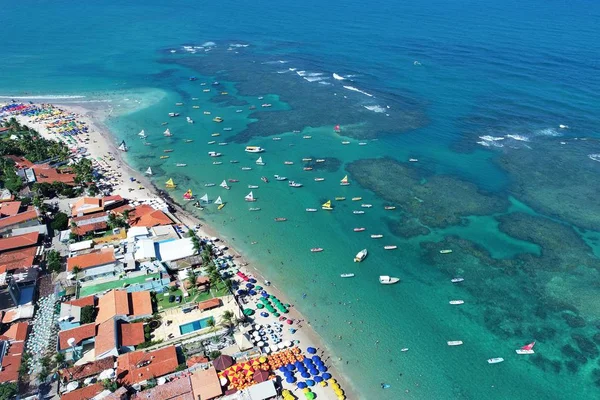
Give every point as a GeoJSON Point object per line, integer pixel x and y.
{"type": "Point", "coordinates": [214, 154]}
{"type": "Point", "coordinates": [447, 251]}
{"type": "Point", "coordinates": [209, 184]}
{"type": "Point", "coordinates": [316, 250]}
{"type": "Point", "coordinates": [456, 302]}
{"type": "Point", "coordinates": [294, 184]}
{"type": "Point", "coordinates": [260, 161]}
{"type": "Point", "coordinates": [227, 129]}
{"type": "Point", "coordinates": [266, 105]}
{"type": "Point", "coordinates": [223, 143]}
{"type": "Point", "coordinates": [347, 275]}
{"type": "Point", "coordinates": [252, 186]}
{"type": "Point", "coordinates": [319, 179]}
{"type": "Point", "coordinates": [361, 255]}
{"type": "Point", "coordinates": [376, 236]}
{"type": "Point", "coordinates": [224, 185]}
{"type": "Point", "coordinates": [311, 210]}
{"type": "Point", "coordinates": [239, 111]}
{"type": "Point", "coordinates": [366, 205]}
{"type": "Point", "coordinates": [388, 280]}
{"type": "Point", "coordinates": [413, 160]}
{"type": "Point", "coordinates": [320, 160]}
{"type": "Point", "coordinates": [212, 142]}
{"type": "Point", "coordinates": [495, 360]}
{"type": "Point", "coordinates": [527, 349]}
{"type": "Point", "coordinates": [288, 162]}
{"type": "Point", "coordinates": [217, 163]}
{"type": "Point", "coordinates": [254, 149]}
{"type": "Point", "coordinates": [405, 349]}
{"type": "Point", "coordinates": [358, 212]}
{"type": "Point", "coordinates": [561, 126]}
{"type": "Point", "coordinates": [280, 178]}
{"type": "Point", "coordinates": [306, 137]}
{"type": "Point", "coordinates": [246, 168]}
{"type": "Point", "coordinates": [254, 209]}
{"type": "Point", "coordinates": [345, 142]}
{"type": "Point", "coordinates": [457, 279]}
{"type": "Point", "coordinates": [250, 197]}
{"type": "Point", "coordinates": [276, 138]}
{"type": "Point", "coordinates": [173, 114]}
{"type": "Point", "coordinates": [391, 247]}
{"type": "Point", "coordinates": [359, 229]}
{"type": "Point", "coordinates": [189, 120]}
{"type": "Point", "coordinates": [455, 343]}
{"type": "Point", "coordinates": [362, 143]}
{"type": "Point", "coordinates": [206, 112]}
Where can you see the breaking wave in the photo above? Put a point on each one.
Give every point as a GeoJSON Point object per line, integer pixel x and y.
{"type": "Point", "coordinates": [518, 137]}
{"type": "Point", "coordinates": [376, 108]}
{"type": "Point", "coordinates": [338, 77]}
{"type": "Point", "coordinates": [352, 88]}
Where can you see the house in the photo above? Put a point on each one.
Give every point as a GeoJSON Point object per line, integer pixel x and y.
{"type": "Point", "coordinates": [209, 304]}
{"type": "Point", "coordinates": [9, 208]}
{"type": "Point", "coordinates": [18, 259]}
{"type": "Point", "coordinates": [24, 219]}
{"type": "Point", "coordinates": [146, 215]}
{"type": "Point", "coordinates": [90, 223]}
{"type": "Point", "coordinates": [90, 205]}
{"type": "Point", "coordinates": [175, 249]}
{"type": "Point", "coordinates": [205, 384]}
{"type": "Point", "coordinates": [139, 366]}
{"type": "Point", "coordinates": [70, 312]}
{"type": "Point", "coordinates": [95, 264]}
{"type": "Point", "coordinates": [86, 370]}
{"type": "Point", "coordinates": [130, 306]}
{"type": "Point", "coordinates": [19, 241]}
{"type": "Point", "coordinates": [12, 344]}
{"type": "Point", "coordinates": [177, 389]}
{"type": "Point", "coordinates": [17, 287]}
{"type": "Point", "coordinates": [84, 393]}
{"type": "Point", "coordinates": [44, 173]}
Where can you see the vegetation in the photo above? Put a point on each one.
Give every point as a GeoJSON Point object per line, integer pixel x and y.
{"type": "Point", "coordinates": [8, 390]}
{"type": "Point", "coordinates": [31, 145]}
{"type": "Point", "coordinates": [59, 358]}
{"type": "Point", "coordinates": [181, 367]}
{"type": "Point", "coordinates": [54, 189]}
{"type": "Point", "coordinates": [115, 221]}
{"type": "Point", "coordinates": [214, 354]}
{"type": "Point", "coordinates": [88, 314]}
{"type": "Point", "coordinates": [228, 320]}
{"type": "Point", "coordinates": [76, 269]}
{"type": "Point", "coordinates": [53, 261]}
{"type": "Point", "coordinates": [60, 221]}
{"type": "Point", "coordinates": [110, 385]}
{"type": "Point", "coordinates": [150, 343]}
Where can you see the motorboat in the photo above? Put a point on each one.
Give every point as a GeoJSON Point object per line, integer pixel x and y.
{"type": "Point", "coordinates": [164, 157]}
{"type": "Point", "coordinates": [188, 140]}
{"type": "Point", "coordinates": [223, 143]}
{"type": "Point", "coordinates": [359, 229]}
{"type": "Point", "coordinates": [280, 219]}
{"type": "Point", "coordinates": [389, 207]}
{"type": "Point", "coordinates": [233, 180]}
{"type": "Point", "coordinates": [495, 360]}
{"type": "Point", "coordinates": [455, 343]}
{"type": "Point", "coordinates": [266, 105]}
{"type": "Point", "coordinates": [212, 142]}
{"type": "Point", "coordinates": [319, 179]}
{"type": "Point", "coordinates": [233, 161]}
{"type": "Point", "coordinates": [288, 162]}
{"type": "Point", "coordinates": [307, 159]}
{"type": "Point", "coordinates": [457, 279]}
{"type": "Point", "coordinates": [209, 184]}
{"type": "Point", "coordinates": [447, 251]}
{"type": "Point", "coordinates": [366, 205]}
{"type": "Point", "coordinates": [276, 138]}
{"type": "Point", "coordinates": [246, 168]}
{"type": "Point", "coordinates": [173, 114]}
{"type": "Point", "coordinates": [347, 275]}
{"type": "Point", "coordinates": [361, 255]}
{"type": "Point", "coordinates": [356, 198]}
{"type": "Point", "coordinates": [362, 143]}
{"type": "Point", "coordinates": [358, 212]}
{"type": "Point", "coordinates": [311, 210]}
{"type": "Point", "coordinates": [180, 165]}
{"type": "Point", "coordinates": [294, 184]}
{"type": "Point", "coordinates": [306, 137]}
{"type": "Point", "coordinates": [189, 120]}
{"type": "Point", "coordinates": [316, 250]}
{"type": "Point", "coordinates": [280, 178]}
{"type": "Point", "coordinates": [265, 179]}
{"type": "Point", "coordinates": [215, 134]}
{"type": "Point", "coordinates": [227, 129]}
{"type": "Point", "coordinates": [254, 149]}
{"type": "Point", "coordinates": [178, 104]}
{"type": "Point", "coordinates": [252, 186]}
{"type": "Point", "coordinates": [527, 349]}
{"type": "Point", "coordinates": [376, 236]}
{"type": "Point", "coordinates": [196, 107]}
{"type": "Point", "coordinates": [413, 160]}
{"type": "Point", "coordinates": [404, 350]}
{"type": "Point", "coordinates": [254, 209]}
{"type": "Point", "coordinates": [307, 168]}
{"type": "Point", "coordinates": [456, 302]}
{"type": "Point", "coordinates": [388, 280]}
{"type": "Point", "coordinates": [214, 154]}
{"type": "Point", "coordinates": [218, 119]}
{"type": "Point", "coordinates": [217, 162]}
{"type": "Point", "coordinates": [168, 151]}
{"type": "Point", "coordinates": [391, 247]}
{"type": "Point", "coordinates": [239, 111]}
{"type": "Point", "coordinates": [345, 142]}
{"type": "Point", "coordinates": [206, 112]}
{"type": "Point", "coordinates": [320, 160]}
{"type": "Point", "coordinates": [340, 198]}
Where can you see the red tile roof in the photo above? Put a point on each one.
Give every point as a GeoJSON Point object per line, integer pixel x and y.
{"type": "Point", "coordinates": [106, 338]}
{"type": "Point", "coordinates": [16, 242]}
{"type": "Point", "coordinates": [139, 366]}
{"type": "Point", "coordinates": [9, 208]}
{"type": "Point", "coordinates": [28, 215]}
{"type": "Point", "coordinates": [132, 334]}
{"type": "Point", "coordinates": [90, 369]}
{"type": "Point", "coordinates": [141, 303]}
{"type": "Point", "coordinates": [11, 363]}
{"type": "Point", "coordinates": [205, 384]}
{"type": "Point", "coordinates": [120, 209]}
{"type": "Point", "coordinates": [93, 259]}
{"type": "Point", "coordinates": [15, 259]}
{"type": "Point", "coordinates": [86, 205]}
{"type": "Point", "coordinates": [146, 215]}
{"type": "Point", "coordinates": [16, 332]}
{"type": "Point", "coordinates": [85, 229]}
{"type": "Point", "coordinates": [196, 360]}
{"type": "Point", "coordinates": [79, 334]}
{"type": "Point", "coordinates": [113, 303]}
{"type": "Point", "coordinates": [85, 393]}
{"type": "Point", "coordinates": [47, 174]}
{"type": "Point", "coordinates": [177, 389]}
{"type": "Point", "coordinates": [208, 304]}
{"type": "Point", "coordinates": [83, 301]}
{"type": "Point", "coordinates": [20, 162]}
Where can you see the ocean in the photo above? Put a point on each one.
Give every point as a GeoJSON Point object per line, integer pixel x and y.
{"type": "Point", "coordinates": [498, 102]}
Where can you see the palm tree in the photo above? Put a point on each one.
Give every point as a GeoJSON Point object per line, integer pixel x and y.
{"type": "Point", "coordinates": [211, 323]}
{"type": "Point", "coordinates": [197, 245]}
{"type": "Point", "coordinates": [228, 320]}
{"type": "Point", "coordinates": [191, 279]}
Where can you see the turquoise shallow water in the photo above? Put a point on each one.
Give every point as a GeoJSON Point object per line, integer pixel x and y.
{"type": "Point", "coordinates": [505, 75]}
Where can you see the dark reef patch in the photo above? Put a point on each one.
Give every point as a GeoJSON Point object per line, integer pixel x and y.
{"type": "Point", "coordinates": [406, 227]}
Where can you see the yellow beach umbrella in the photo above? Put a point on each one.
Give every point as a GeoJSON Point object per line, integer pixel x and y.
{"type": "Point", "coordinates": [341, 397]}
{"type": "Point", "coordinates": [331, 380]}
{"type": "Point", "coordinates": [305, 390]}
{"type": "Point", "coordinates": [262, 360]}
{"type": "Point", "coordinates": [339, 392]}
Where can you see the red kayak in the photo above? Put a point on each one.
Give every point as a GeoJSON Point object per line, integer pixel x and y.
{"type": "Point", "coordinates": [359, 229]}
{"type": "Point", "coordinates": [316, 250]}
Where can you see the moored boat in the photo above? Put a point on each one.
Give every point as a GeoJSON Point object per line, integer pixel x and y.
{"type": "Point", "coordinates": [340, 198]}
{"type": "Point", "coordinates": [356, 198]}
{"type": "Point", "coordinates": [390, 247]}
{"type": "Point", "coordinates": [164, 157]}
{"type": "Point", "coordinates": [345, 142]}
{"type": "Point", "coordinates": [218, 119]}
{"type": "Point", "coordinates": [254, 209]}
{"type": "Point", "coordinates": [347, 275]}
{"type": "Point", "coordinates": [413, 160]}
{"type": "Point", "coordinates": [344, 181]}
{"type": "Point", "coordinates": [173, 114]}
{"type": "Point", "coordinates": [265, 179]}
{"type": "Point", "coordinates": [288, 162]}
{"type": "Point", "coordinates": [495, 360]}
{"type": "Point", "coordinates": [217, 162]}
{"type": "Point", "coordinates": [527, 349]}
{"type": "Point", "coordinates": [316, 250]}
{"type": "Point", "coordinates": [455, 343]}
{"type": "Point", "coordinates": [180, 165]}
{"type": "Point", "coordinates": [366, 205]}
{"type": "Point", "coordinates": [142, 134]}
{"type": "Point", "coordinates": [361, 255]}
{"type": "Point", "coordinates": [168, 151]}
{"type": "Point", "coordinates": [307, 168]}
{"type": "Point", "coordinates": [209, 184]}
{"type": "Point", "coordinates": [246, 168]}
{"type": "Point", "coordinates": [214, 154]}
{"type": "Point", "coordinates": [189, 120]}
{"type": "Point", "coordinates": [456, 302]}
{"type": "Point", "coordinates": [250, 197]}
{"type": "Point", "coordinates": [306, 137]}
{"type": "Point", "coordinates": [260, 161]}
{"type": "Point", "coordinates": [447, 251]}
{"type": "Point", "coordinates": [252, 186]}
{"type": "Point", "coordinates": [377, 236]}
{"type": "Point", "coordinates": [188, 195]}
{"type": "Point", "coordinates": [389, 207]}
{"type": "Point", "coordinates": [280, 219]}
{"type": "Point", "coordinates": [170, 184]}
{"type": "Point", "coordinates": [311, 210]}
{"type": "Point", "coordinates": [319, 179]}
{"type": "Point", "coordinates": [358, 212]}
{"type": "Point", "coordinates": [359, 229]}
{"type": "Point", "coordinates": [388, 280]}
{"type": "Point", "coordinates": [457, 279]}
{"type": "Point", "coordinates": [320, 160]}
{"type": "Point", "coordinates": [254, 149]}
{"type": "Point", "coordinates": [123, 146]}
{"type": "Point", "coordinates": [294, 184]}
{"type": "Point", "coordinates": [233, 180]}
{"type": "Point", "coordinates": [279, 178]}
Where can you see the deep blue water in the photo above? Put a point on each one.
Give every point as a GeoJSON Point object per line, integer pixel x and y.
{"type": "Point", "coordinates": [483, 104]}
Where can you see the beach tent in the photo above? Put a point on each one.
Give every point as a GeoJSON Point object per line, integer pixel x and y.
{"type": "Point", "coordinates": [223, 362]}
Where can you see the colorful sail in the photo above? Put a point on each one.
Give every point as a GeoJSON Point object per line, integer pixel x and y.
{"type": "Point", "coordinates": [327, 203]}
{"type": "Point", "coordinates": [170, 183]}
{"type": "Point", "coordinates": [528, 346]}
{"type": "Point", "coordinates": [204, 198]}
{"type": "Point", "coordinates": [344, 179]}
{"type": "Point", "coordinates": [337, 128]}
{"type": "Point", "coordinates": [188, 195]}
{"type": "Point", "coordinates": [218, 200]}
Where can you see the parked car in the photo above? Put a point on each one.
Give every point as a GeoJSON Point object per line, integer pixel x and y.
{"type": "Point", "coordinates": [171, 298]}
{"type": "Point", "coordinates": [178, 299]}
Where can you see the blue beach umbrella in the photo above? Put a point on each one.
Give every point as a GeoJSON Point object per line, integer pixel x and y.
{"type": "Point", "coordinates": [305, 375]}
{"type": "Point", "coordinates": [311, 350]}
{"type": "Point", "coordinates": [249, 285]}
{"type": "Point", "coordinates": [313, 371]}
{"type": "Point", "coordinates": [265, 295]}
{"type": "Point", "coordinates": [252, 280]}
{"type": "Point", "coordinates": [298, 364]}
{"type": "Point", "coordinates": [288, 374]}
{"type": "Point", "coordinates": [301, 368]}
{"type": "Point", "coordinates": [310, 382]}
{"type": "Point", "coordinates": [326, 376]}
{"type": "Point", "coordinates": [316, 359]}
{"type": "Point", "coordinates": [322, 368]}
{"type": "Point", "coordinates": [252, 293]}
{"type": "Point", "coordinates": [301, 385]}
{"type": "Point", "coordinates": [290, 379]}
{"type": "Point", "coordinates": [282, 369]}
{"type": "Point", "coordinates": [290, 367]}
{"type": "Point", "coordinates": [318, 379]}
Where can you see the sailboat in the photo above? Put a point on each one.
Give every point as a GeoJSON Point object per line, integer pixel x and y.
{"type": "Point", "coordinates": [219, 201]}
{"type": "Point", "coordinates": [337, 129]}
{"type": "Point", "coordinates": [149, 171]}
{"type": "Point", "coordinates": [224, 185]}
{"type": "Point", "coordinates": [344, 181]}
{"type": "Point", "coordinates": [188, 195]}
{"type": "Point", "coordinates": [168, 133]}
{"type": "Point", "coordinates": [250, 197]}
{"type": "Point", "coordinates": [142, 134]}
{"type": "Point", "coordinates": [189, 120]}
{"type": "Point", "coordinates": [260, 161]}
{"type": "Point", "coordinates": [327, 205]}
{"type": "Point", "coordinates": [204, 198]}
{"type": "Point", "coordinates": [170, 184]}
{"type": "Point", "coordinates": [123, 146]}
{"type": "Point", "coordinates": [527, 349]}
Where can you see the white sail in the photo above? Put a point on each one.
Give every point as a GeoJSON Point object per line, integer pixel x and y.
{"type": "Point", "coordinates": [218, 200]}
{"type": "Point", "coordinates": [142, 134]}
{"type": "Point", "coordinates": [224, 184]}
{"type": "Point", "coordinates": [259, 161]}
{"type": "Point", "coordinates": [204, 198]}
{"type": "Point", "coordinates": [149, 171]}
{"type": "Point", "coordinates": [123, 146]}
{"type": "Point", "coordinates": [167, 132]}
{"type": "Point", "coordinates": [250, 196]}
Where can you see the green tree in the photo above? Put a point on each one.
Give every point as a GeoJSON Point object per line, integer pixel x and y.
{"type": "Point", "coordinates": [59, 358]}
{"type": "Point", "coordinates": [76, 270]}
{"type": "Point", "coordinates": [11, 180]}
{"type": "Point", "coordinates": [211, 324]}
{"type": "Point", "coordinates": [110, 385]}
{"type": "Point", "coordinates": [115, 221]}
{"type": "Point", "coordinates": [53, 261]}
{"type": "Point", "coordinates": [8, 390]}
{"type": "Point", "coordinates": [228, 320]}
{"type": "Point", "coordinates": [60, 221]}
{"type": "Point", "coordinates": [88, 314]}
{"type": "Point", "coordinates": [214, 354]}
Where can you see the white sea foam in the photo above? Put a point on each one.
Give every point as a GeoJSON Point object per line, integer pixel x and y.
{"type": "Point", "coordinates": [324, 83]}
{"type": "Point", "coordinates": [209, 44]}
{"type": "Point", "coordinates": [595, 157]}
{"type": "Point", "coordinates": [338, 77]}
{"type": "Point", "coordinates": [42, 96]}
{"type": "Point", "coordinates": [487, 143]}
{"type": "Point", "coordinates": [313, 78]}
{"type": "Point", "coordinates": [375, 108]}
{"type": "Point", "coordinates": [237, 45]}
{"type": "Point", "coordinates": [275, 62]}
{"type": "Point", "coordinates": [315, 74]}
{"type": "Point", "coordinates": [548, 132]}
{"type": "Point", "coordinates": [292, 69]}
{"type": "Point", "coordinates": [301, 73]}
{"type": "Point", "coordinates": [285, 71]}
{"type": "Point", "coordinates": [358, 90]}
{"type": "Point", "coordinates": [518, 137]}
{"type": "Point", "coordinates": [489, 138]}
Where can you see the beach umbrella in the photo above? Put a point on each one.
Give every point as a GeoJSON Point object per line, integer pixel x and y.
{"type": "Point", "coordinates": [248, 311]}
{"type": "Point", "coordinates": [326, 376]}
{"type": "Point", "coordinates": [299, 364]}
{"type": "Point", "coordinates": [305, 375]}
{"type": "Point", "coordinates": [223, 362]}
{"type": "Point", "coordinates": [262, 359]}
{"type": "Point", "coordinates": [282, 369]}
{"type": "Point", "coordinates": [290, 367]}
{"type": "Point", "coordinates": [310, 382]}
{"type": "Point", "coordinates": [301, 385]}
{"type": "Point", "coordinates": [341, 397]}
{"type": "Point", "coordinates": [313, 371]}
{"type": "Point", "coordinates": [316, 359]}
{"type": "Point", "coordinates": [257, 287]}
{"type": "Point", "coordinates": [305, 390]}
{"type": "Point", "coordinates": [252, 280]}
{"type": "Point", "coordinates": [264, 295]}
{"type": "Point", "coordinates": [249, 285]}
{"type": "Point", "coordinates": [262, 376]}
{"type": "Point", "coordinates": [318, 379]}
{"type": "Point", "coordinates": [290, 379]}
{"type": "Point", "coordinates": [252, 293]}
{"type": "Point", "coordinates": [322, 368]}
{"type": "Point", "coordinates": [260, 305]}
{"type": "Point", "coordinates": [311, 350]}
{"type": "Point", "coordinates": [310, 396]}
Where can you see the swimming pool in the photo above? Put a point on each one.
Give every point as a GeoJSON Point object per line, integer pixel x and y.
{"type": "Point", "coordinates": [194, 326]}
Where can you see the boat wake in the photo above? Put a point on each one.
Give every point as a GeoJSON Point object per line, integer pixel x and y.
{"type": "Point", "coordinates": [352, 88]}
{"type": "Point", "coordinates": [595, 157]}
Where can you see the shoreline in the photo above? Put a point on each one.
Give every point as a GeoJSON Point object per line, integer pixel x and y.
{"type": "Point", "coordinates": [103, 141]}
